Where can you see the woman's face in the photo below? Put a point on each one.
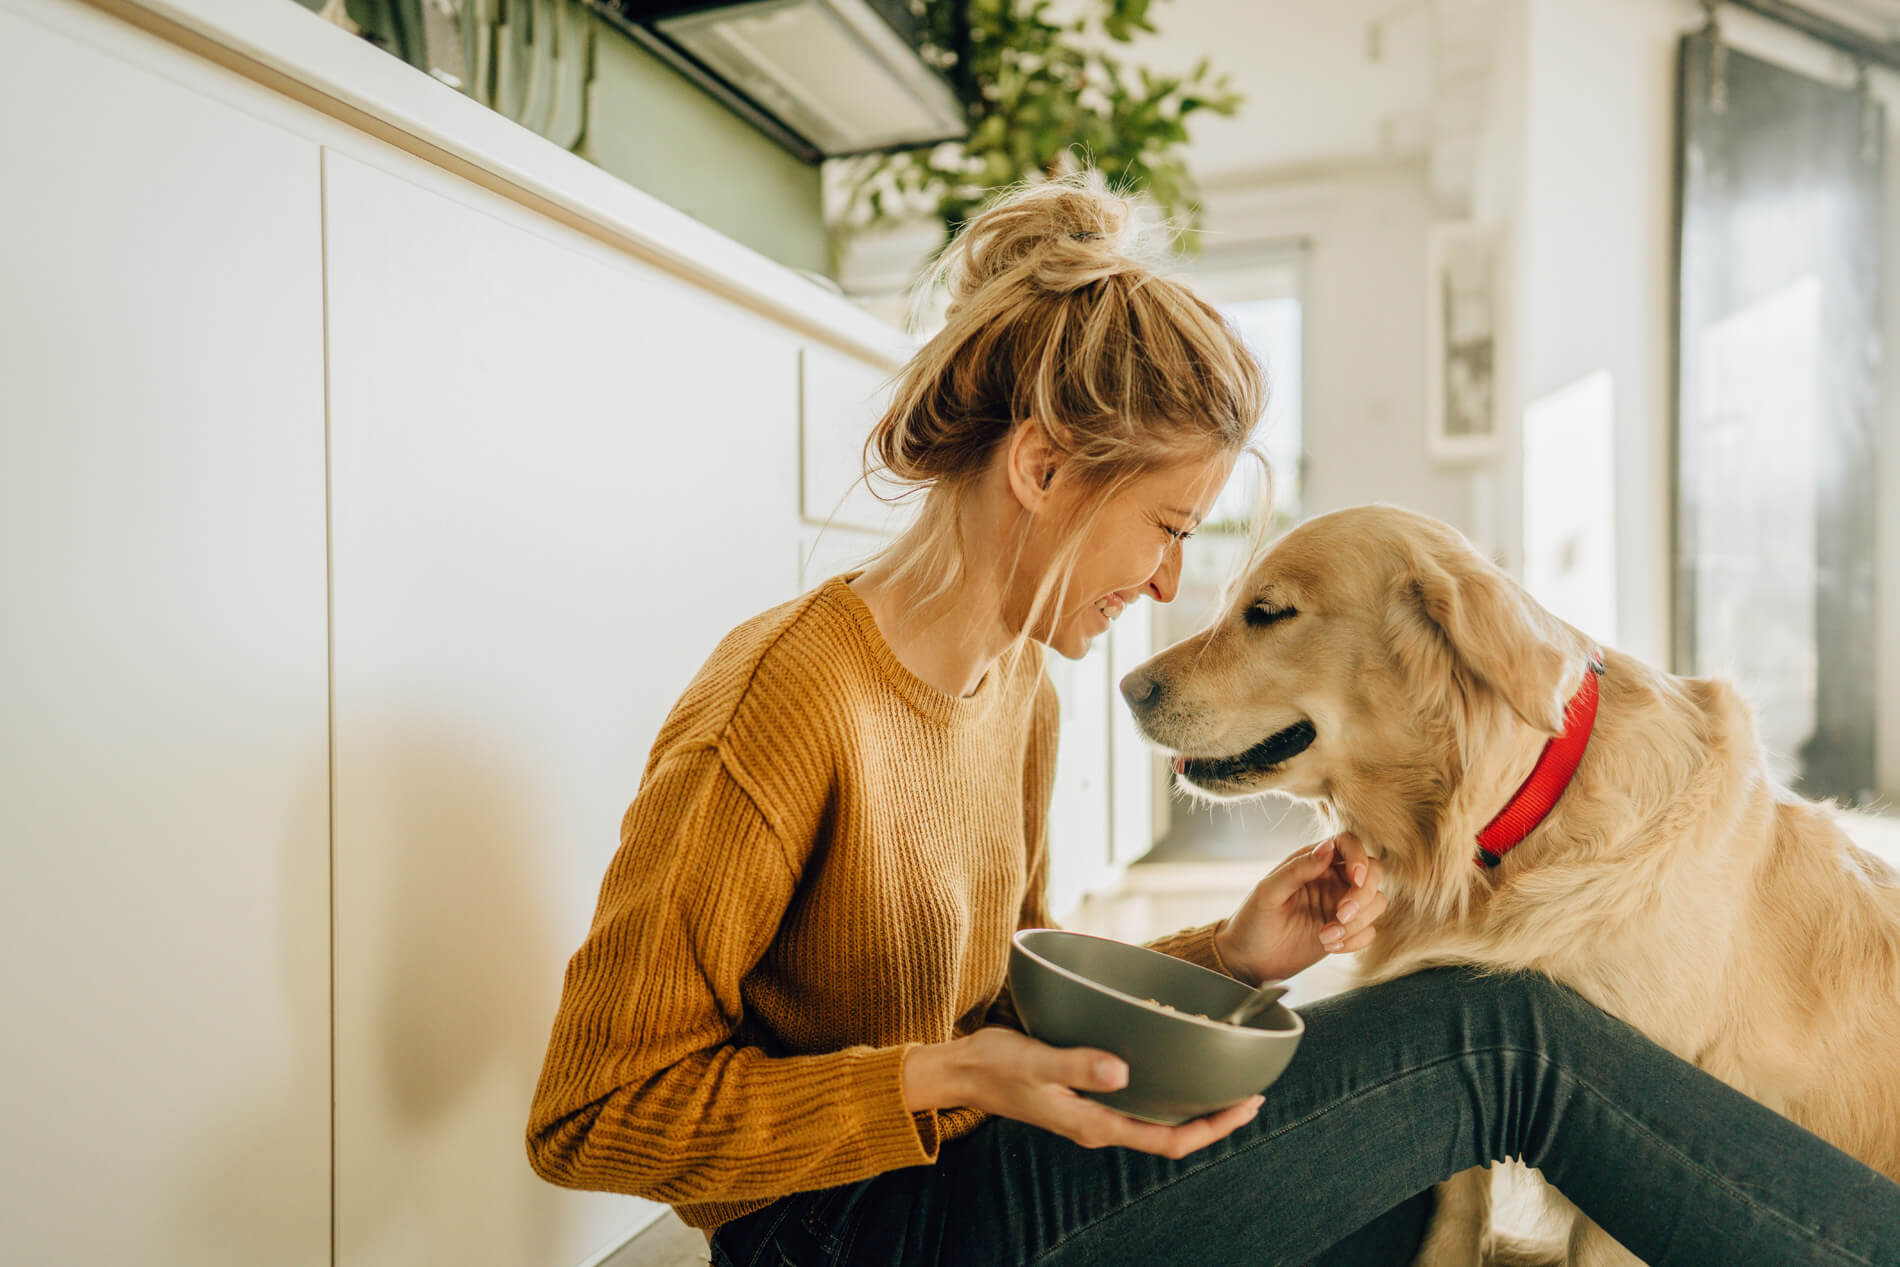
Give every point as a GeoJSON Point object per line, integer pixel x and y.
{"type": "Point", "coordinates": [1133, 547]}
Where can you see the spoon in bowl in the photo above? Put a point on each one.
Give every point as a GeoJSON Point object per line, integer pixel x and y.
{"type": "Point", "coordinates": [1264, 996]}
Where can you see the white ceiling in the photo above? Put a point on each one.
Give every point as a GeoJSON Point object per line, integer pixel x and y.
{"type": "Point", "coordinates": [1313, 94]}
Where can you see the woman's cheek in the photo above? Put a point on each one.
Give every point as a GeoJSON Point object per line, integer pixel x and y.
{"type": "Point", "coordinates": [1156, 562]}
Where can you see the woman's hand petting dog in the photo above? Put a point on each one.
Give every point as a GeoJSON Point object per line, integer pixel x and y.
{"type": "Point", "coordinates": [1318, 902]}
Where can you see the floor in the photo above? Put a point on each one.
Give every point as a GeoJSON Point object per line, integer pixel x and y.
{"type": "Point", "coordinates": [1209, 861]}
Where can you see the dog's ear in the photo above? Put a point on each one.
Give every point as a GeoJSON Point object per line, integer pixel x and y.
{"type": "Point", "coordinates": [1498, 634]}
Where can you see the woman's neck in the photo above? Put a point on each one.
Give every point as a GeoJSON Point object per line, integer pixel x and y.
{"type": "Point", "coordinates": [952, 640]}
{"type": "Point", "coordinates": [949, 642]}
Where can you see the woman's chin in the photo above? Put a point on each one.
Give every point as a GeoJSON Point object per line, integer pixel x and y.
{"type": "Point", "coordinates": [1071, 643]}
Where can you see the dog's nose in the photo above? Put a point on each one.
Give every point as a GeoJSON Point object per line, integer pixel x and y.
{"type": "Point", "coordinates": [1141, 691]}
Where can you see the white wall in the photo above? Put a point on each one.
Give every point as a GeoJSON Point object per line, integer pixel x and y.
{"type": "Point", "coordinates": [1312, 94]}
{"type": "Point", "coordinates": [164, 771]}
{"type": "Point", "coordinates": [1595, 259]}
{"type": "Point", "coordinates": [1364, 331]}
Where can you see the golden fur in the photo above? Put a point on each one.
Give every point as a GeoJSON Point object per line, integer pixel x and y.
{"type": "Point", "coordinates": [1674, 884]}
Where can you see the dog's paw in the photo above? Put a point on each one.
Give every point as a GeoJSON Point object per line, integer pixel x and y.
{"type": "Point", "coordinates": [1505, 1252]}
{"type": "Point", "coordinates": [1452, 1244]}
{"type": "Point", "coordinates": [1461, 1222]}
{"type": "Point", "coordinates": [1591, 1246]}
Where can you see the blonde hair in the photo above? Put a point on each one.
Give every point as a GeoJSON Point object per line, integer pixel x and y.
{"type": "Point", "coordinates": [1058, 317]}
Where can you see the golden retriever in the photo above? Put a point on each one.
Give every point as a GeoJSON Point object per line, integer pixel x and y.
{"type": "Point", "coordinates": [1373, 663]}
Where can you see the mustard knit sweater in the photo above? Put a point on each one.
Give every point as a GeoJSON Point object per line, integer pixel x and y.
{"type": "Point", "coordinates": [821, 869]}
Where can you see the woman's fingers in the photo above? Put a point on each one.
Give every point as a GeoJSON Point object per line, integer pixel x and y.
{"type": "Point", "coordinates": [1095, 1125]}
{"type": "Point", "coordinates": [1351, 927]}
{"type": "Point", "coordinates": [1358, 941]}
{"type": "Point", "coordinates": [1339, 939]}
{"type": "Point", "coordinates": [1359, 907]}
{"type": "Point", "coordinates": [1086, 1068]}
{"type": "Point", "coordinates": [1297, 870]}
{"type": "Point", "coordinates": [1354, 862]}
{"type": "Point", "coordinates": [1355, 918]}
{"type": "Point", "coordinates": [1019, 1077]}
{"type": "Point", "coordinates": [1098, 1126]}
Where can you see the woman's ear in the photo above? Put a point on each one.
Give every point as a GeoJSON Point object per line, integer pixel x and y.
{"type": "Point", "coordinates": [1031, 461]}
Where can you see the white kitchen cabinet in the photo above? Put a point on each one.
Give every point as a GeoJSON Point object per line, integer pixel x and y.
{"type": "Point", "coordinates": [841, 398]}
{"type": "Point", "coordinates": [843, 517]}
{"type": "Point", "coordinates": [558, 476]}
{"type": "Point", "coordinates": [1079, 859]}
{"type": "Point", "coordinates": [1133, 768]}
{"type": "Point", "coordinates": [164, 790]}
{"type": "Point", "coordinates": [363, 510]}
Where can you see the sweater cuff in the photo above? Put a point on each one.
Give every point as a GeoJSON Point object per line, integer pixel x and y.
{"type": "Point", "coordinates": [1196, 945]}
{"type": "Point", "coordinates": [894, 1135]}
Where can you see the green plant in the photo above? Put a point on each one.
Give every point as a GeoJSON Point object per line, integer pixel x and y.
{"type": "Point", "coordinates": [1037, 91]}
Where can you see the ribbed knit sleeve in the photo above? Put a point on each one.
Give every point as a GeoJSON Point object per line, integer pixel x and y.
{"type": "Point", "coordinates": [1196, 945]}
{"type": "Point", "coordinates": [647, 1088]}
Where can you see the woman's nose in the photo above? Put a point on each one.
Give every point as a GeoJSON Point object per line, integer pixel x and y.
{"type": "Point", "coordinates": [1166, 582]}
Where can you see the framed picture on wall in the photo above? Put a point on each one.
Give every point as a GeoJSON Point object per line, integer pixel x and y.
{"type": "Point", "coordinates": [1461, 341]}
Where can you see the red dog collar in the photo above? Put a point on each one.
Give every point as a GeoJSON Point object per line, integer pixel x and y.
{"type": "Point", "coordinates": [1549, 777]}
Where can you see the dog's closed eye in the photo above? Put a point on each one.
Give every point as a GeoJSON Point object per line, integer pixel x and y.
{"type": "Point", "coordinates": [1260, 615]}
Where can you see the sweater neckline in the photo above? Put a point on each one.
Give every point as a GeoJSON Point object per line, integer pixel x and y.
{"type": "Point", "coordinates": [929, 700]}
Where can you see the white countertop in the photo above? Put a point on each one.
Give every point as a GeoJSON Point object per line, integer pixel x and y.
{"type": "Point", "coordinates": [282, 36]}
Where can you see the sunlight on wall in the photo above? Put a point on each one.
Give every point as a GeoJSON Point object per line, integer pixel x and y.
{"type": "Point", "coordinates": [1570, 504]}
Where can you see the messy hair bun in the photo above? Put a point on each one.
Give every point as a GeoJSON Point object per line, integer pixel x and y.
{"type": "Point", "coordinates": [1060, 318]}
{"type": "Point", "coordinates": [1052, 238]}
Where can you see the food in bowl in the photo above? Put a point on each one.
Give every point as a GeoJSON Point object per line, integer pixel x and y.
{"type": "Point", "coordinates": [1154, 1011]}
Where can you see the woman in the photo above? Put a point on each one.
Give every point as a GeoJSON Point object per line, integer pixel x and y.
{"type": "Point", "coordinates": [789, 1021]}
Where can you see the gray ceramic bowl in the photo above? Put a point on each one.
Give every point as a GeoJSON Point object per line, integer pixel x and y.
{"type": "Point", "coordinates": [1075, 990]}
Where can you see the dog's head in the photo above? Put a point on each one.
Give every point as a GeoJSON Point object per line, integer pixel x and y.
{"type": "Point", "coordinates": [1369, 661]}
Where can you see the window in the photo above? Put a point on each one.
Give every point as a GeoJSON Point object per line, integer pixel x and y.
{"type": "Point", "coordinates": [1259, 290]}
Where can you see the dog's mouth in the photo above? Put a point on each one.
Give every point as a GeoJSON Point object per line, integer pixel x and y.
{"type": "Point", "coordinates": [1270, 753]}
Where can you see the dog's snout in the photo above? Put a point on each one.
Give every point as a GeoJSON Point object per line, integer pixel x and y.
{"type": "Point", "coordinates": [1141, 690]}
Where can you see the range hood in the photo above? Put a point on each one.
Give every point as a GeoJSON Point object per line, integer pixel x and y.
{"type": "Point", "coordinates": [824, 78]}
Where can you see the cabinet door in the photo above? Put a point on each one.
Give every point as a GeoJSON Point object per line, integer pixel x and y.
{"type": "Point", "coordinates": [844, 517]}
{"type": "Point", "coordinates": [1133, 765]}
{"type": "Point", "coordinates": [164, 787]}
{"type": "Point", "coordinates": [840, 399]}
{"type": "Point", "coordinates": [1079, 860]}
{"type": "Point", "coordinates": [558, 477]}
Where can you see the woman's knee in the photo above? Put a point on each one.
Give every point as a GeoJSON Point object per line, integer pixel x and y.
{"type": "Point", "coordinates": [1531, 1041]}
{"type": "Point", "coordinates": [1491, 1007]}
{"type": "Point", "coordinates": [1518, 1035]}
{"type": "Point", "coordinates": [1533, 1012]}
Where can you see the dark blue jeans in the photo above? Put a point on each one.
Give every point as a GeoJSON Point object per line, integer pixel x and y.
{"type": "Point", "coordinates": [1394, 1088]}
